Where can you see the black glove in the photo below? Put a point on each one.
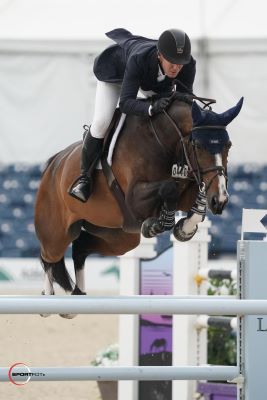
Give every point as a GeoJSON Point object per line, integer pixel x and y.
{"type": "Point", "coordinates": [160, 105]}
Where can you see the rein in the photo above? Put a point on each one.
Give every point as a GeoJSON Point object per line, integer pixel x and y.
{"type": "Point", "coordinates": [195, 172]}
{"type": "Point", "coordinates": [205, 101]}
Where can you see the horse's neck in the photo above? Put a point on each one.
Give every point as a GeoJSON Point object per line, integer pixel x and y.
{"type": "Point", "coordinates": [180, 112]}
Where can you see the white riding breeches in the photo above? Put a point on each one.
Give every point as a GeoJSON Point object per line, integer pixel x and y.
{"type": "Point", "coordinates": [106, 100]}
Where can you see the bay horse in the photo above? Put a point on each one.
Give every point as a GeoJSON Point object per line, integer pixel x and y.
{"type": "Point", "coordinates": [176, 160]}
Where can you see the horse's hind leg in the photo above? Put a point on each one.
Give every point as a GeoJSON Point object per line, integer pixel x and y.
{"type": "Point", "coordinates": [80, 250]}
{"type": "Point", "coordinates": [54, 242]}
{"type": "Point", "coordinates": [48, 287]}
{"type": "Point", "coordinates": [48, 283]}
{"type": "Point", "coordinates": [55, 272]}
{"type": "Point", "coordinates": [82, 247]}
{"type": "Point", "coordinates": [104, 241]}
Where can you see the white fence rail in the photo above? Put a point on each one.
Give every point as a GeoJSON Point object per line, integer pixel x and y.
{"type": "Point", "coordinates": [130, 305]}
{"type": "Point", "coordinates": [121, 373]}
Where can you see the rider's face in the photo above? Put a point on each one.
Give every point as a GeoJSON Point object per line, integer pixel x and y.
{"type": "Point", "coordinates": [171, 70]}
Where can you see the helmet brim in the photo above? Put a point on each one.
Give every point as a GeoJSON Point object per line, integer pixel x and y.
{"type": "Point", "coordinates": [177, 60]}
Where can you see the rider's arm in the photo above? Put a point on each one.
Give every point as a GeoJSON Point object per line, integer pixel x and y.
{"type": "Point", "coordinates": [187, 77]}
{"type": "Point", "coordinates": [130, 86]}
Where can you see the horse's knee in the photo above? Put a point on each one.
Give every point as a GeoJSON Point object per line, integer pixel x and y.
{"type": "Point", "coordinates": [170, 194]}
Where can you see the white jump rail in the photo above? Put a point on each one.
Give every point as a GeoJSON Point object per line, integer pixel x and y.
{"type": "Point", "coordinates": [130, 305]}
{"type": "Point", "coordinates": [121, 373]}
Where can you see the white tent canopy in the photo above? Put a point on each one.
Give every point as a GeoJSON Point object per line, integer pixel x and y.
{"type": "Point", "coordinates": [47, 49]}
{"type": "Point", "coordinates": [89, 19]}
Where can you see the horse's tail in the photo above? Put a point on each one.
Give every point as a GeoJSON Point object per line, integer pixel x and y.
{"type": "Point", "coordinates": [59, 274]}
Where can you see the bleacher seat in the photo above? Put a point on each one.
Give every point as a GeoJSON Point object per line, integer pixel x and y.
{"type": "Point", "coordinates": [19, 182]}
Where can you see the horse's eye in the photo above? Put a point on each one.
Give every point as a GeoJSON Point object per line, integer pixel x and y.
{"type": "Point", "coordinates": [197, 144]}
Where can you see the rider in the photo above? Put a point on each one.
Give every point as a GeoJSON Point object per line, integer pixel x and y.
{"type": "Point", "coordinates": [134, 63]}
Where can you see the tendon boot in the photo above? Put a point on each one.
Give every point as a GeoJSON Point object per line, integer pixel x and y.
{"type": "Point", "coordinates": [91, 153]}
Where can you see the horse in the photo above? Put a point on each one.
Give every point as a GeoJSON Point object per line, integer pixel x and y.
{"type": "Point", "coordinates": [176, 160]}
{"type": "Point", "coordinates": [158, 345]}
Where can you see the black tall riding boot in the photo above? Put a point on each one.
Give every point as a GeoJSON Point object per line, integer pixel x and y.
{"type": "Point", "coordinates": [91, 153]}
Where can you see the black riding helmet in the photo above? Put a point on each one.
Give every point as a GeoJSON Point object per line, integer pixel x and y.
{"type": "Point", "coordinates": [175, 46]}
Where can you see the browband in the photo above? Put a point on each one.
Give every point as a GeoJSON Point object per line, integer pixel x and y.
{"type": "Point", "coordinates": [209, 127]}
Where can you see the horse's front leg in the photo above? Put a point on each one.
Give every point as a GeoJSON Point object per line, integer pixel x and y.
{"type": "Point", "coordinates": [186, 228]}
{"type": "Point", "coordinates": [156, 202]}
{"type": "Point", "coordinates": [155, 225]}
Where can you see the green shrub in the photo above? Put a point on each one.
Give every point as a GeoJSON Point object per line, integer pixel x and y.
{"type": "Point", "coordinates": [221, 342]}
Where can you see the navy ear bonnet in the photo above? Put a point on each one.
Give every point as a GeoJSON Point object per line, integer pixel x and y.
{"type": "Point", "coordinates": [209, 128]}
{"type": "Point", "coordinates": [212, 140]}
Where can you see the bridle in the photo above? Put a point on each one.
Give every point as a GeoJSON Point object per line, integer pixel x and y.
{"type": "Point", "coordinates": [218, 169]}
{"type": "Point", "coordinates": [196, 172]}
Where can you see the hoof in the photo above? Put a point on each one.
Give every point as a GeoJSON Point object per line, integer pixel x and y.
{"type": "Point", "coordinates": [43, 294]}
{"type": "Point", "coordinates": [76, 291]}
{"type": "Point", "coordinates": [68, 316]}
{"type": "Point", "coordinates": [179, 234]}
{"type": "Point", "coordinates": [147, 226]}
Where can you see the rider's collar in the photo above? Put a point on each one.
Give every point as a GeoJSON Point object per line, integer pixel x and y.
{"type": "Point", "coordinates": [161, 76]}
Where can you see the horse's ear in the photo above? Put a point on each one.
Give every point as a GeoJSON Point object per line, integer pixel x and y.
{"type": "Point", "coordinates": [196, 114]}
{"type": "Point", "coordinates": [229, 115]}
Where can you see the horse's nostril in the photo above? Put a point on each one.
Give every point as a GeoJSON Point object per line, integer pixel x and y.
{"type": "Point", "coordinates": [217, 206]}
{"type": "Point", "coordinates": [214, 201]}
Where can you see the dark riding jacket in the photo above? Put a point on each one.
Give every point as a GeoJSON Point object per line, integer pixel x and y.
{"type": "Point", "coordinates": [133, 60]}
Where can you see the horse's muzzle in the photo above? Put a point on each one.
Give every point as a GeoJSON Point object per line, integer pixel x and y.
{"type": "Point", "coordinates": [216, 206]}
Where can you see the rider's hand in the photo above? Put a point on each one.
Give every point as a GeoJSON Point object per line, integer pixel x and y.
{"type": "Point", "coordinates": [160, 105]}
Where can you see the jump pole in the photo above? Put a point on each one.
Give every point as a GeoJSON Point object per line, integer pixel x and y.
{"type": "Point", "coordinates": [119, 373]}
{"type": "Point", "coordinates": [169, 305]}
